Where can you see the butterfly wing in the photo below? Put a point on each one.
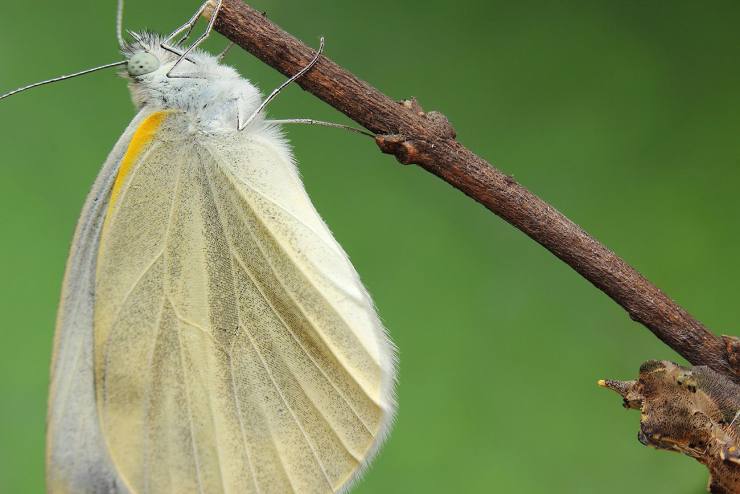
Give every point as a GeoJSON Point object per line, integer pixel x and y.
{"type": "Point", "coordinates": [76, 457]}
{"type": "Point", "coordinates": [235, 348]}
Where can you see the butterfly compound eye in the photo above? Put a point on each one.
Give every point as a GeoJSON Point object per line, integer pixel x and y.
{"type": "Point", "coordinates": [142, 63]}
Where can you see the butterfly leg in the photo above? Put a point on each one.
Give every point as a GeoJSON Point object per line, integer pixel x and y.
{"type": "Point", "coordinates": [321, 123]}
{"type": "Point", "coordinates": [202, 37]}
{"type": "Point", "coordinates": [188, 26]}
{"type": "Point", "coordinates": [225, 51]}
{"type": "Point", "coordinates": [282, 86]}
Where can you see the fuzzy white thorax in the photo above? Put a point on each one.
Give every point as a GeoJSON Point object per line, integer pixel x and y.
{"type": "Point", "coordinates": [214, 95]}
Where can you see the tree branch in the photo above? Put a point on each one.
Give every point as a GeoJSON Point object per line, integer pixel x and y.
{"type": "Point", "coordinates": [427, 140]}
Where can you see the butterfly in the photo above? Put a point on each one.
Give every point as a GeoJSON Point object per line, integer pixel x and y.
{"type": "Point", "coordinates": [212, 334]}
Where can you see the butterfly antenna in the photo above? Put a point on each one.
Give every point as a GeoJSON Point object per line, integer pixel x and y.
{"type": "Point", "coordinates": [119, 24]}
{"type": "Point", "coordinates": [62, 78]}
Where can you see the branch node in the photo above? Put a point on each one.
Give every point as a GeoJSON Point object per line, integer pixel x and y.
{"type": "Point", "coordinates": [441, 125]}
{"type": "Point", "coordinates": [437, 123]}
{"type": "Point", "coordinates": [732, 345]}
{"type": "Point", "coordinates": [413, 105]}
{"type": "Point", "coordinates": [405, 150]}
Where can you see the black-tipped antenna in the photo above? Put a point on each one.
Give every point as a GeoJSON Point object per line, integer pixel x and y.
{"type": "Point", "coordinates": [63, 78]}
{"type": "Point", "coordinates": [119, 24]}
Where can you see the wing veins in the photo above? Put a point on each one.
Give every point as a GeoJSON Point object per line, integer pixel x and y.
{"type": "Point", "coordinates": [195, 325]}
{"type": "Point", "coordinates": [151, 264]}
{"type": "Point", "coordinates": [230, 354]}
{"type": "Point", "coordinates": [348, 295]}
{"type": "Point", "coordinates": [264, 363]}
{"type": "Point", "coordinates": [241, 423]}
{"type": "Point", "coordinates": [326, 419]}
{"type": "Point", "coordinates": [248, 272]}
{"type": "Point", "coordinates": [185, 381]}
{"type": "Point", "coordinates": [190, 408]}
{"type": "Point", "coordinates": [181, 319]}
{"type": "Point", "coordinates": [140, 277]}
{"type": "Point", "coordinates": [334, 248]}
{"type": "Point", "coordinates": [148, 401]}
{"type": "Point", "coordinates": [106, 352]}
{"type": "Point", "coordinates": [290, 409]}
{"type": "Point", "coordinates": [121, 198]}
{"type": "Point", "coordinates": [135, 170]}
{"type": "Point", "coordinates": [276, 203]}
{"type": "Point", "coordinates": [309, 443]}
{"type": "Point", "coordinates": [300, 307]}
{"type": "Point", "coordinates": [230, 179]}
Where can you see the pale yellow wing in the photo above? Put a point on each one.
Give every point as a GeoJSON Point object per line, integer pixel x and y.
{"type": "Point", "coordinates": [235, 347]}
{"type": "Point", "coordinates": [76, 458]}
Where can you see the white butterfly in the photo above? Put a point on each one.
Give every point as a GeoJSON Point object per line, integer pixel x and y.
{"type": "Point", "coordinates": [212, 335]}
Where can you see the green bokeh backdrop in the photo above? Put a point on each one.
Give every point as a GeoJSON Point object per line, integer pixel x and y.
{"type": "Point", "coordinates": [623, 114]}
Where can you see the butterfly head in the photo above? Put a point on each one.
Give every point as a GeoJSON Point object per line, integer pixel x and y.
{"type": "Point", "coordinates": [169, 76]}
{"type": "Point", "coordinates": [148, 57]}
{"type": "Point", "coordinates": [142, 63]}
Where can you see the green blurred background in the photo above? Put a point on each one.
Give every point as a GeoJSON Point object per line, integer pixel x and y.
{"type": "Point", "coordinates": [623, 114]}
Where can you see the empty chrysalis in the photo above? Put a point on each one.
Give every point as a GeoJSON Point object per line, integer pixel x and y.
{"type": "Point", "coordinates": [212, 335]}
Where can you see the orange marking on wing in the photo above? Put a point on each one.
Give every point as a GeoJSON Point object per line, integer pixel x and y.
{"type": "Point", "coordinates": [142, 136]}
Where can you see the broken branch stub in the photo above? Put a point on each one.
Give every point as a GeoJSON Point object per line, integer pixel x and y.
{"type": "Point", "coordinates": [692, 411]}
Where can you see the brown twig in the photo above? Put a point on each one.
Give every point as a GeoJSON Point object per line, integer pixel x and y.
{"type": "Point", "coordinates": [427, 139]}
